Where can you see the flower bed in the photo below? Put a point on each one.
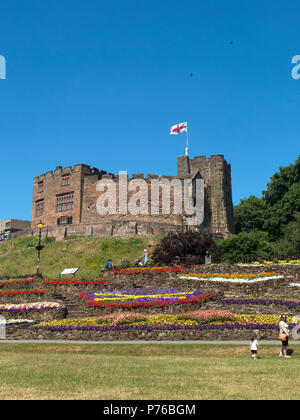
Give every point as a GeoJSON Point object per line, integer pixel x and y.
{"type": "Point", "coordinates": [26, 276]}
{"type": "Point", "coordinates": [232, 278]}
{"type": "Point", "coordinates": [144, 270]}
{"type": "Point", "coordinates": [16, 282]}
{"type": "Point", "coordinates": [143, 298]}
{"type": "Point", "coordinates": [21, 292]}
{"type": "Point", "coordinates": [150, 328]}
{"type": "Point", "coordinates": [38, 311]}
{"type": "Point", "coordinates": [265, 302]}
{"type": "Point", "coordinates": [265, 262]}
{"type": "Point", "coordinates": [28, 307]}
{"type": "Point", "coordinates": [194, 320]}
{"type": "Point", "coordinates": [75, 281]}
{"type": "Point", "coordinates": [13, 322]}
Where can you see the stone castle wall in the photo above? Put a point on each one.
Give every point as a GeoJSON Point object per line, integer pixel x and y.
{"type": "Point", "coordinates": [79, 184]}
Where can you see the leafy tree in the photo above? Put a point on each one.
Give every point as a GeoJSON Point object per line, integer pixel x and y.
{"type": "Point", "coordinates": [280, 214]}
{"type": "Point", "coordinates": [289, 244]}
{"type": "Point", "coordinates": [249, 215]}
{"type": "Point", "coordinates": [246, 246]}
{"type": "Point", "coordinates": [281, 182]}
{"type": "Point", "coordinates": [279, 205]}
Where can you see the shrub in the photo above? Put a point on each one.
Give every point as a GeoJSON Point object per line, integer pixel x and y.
{"type": "Point", "coordinates": [244, 245]}
{"type": "Point", "coordinates": [190, 247]}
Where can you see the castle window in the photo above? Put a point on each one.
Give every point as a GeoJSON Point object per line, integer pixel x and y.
{"type": "Point", "coordinates": [41, 187]}
{"type": "Point", "coordinates": [64, 202]}
{"type": "Point", "coordinates": [39, 208]}
{"type": "Point", "coordinates": [65, 181]}
{"type": "Point", "coordinates": [64, 220]}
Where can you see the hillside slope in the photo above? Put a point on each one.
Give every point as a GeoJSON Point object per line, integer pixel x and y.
{"type": "Point", "coordinates": [19, 256]}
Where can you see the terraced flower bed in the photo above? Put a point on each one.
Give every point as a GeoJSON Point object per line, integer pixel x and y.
{"type": "Point", "coordinates": [75, 281]}
{"type": "Point", "coordinates": [264, 306]}
{"type": "Point", "coordinates": [145, 270]}
{"type": "Point", "coordinates": [18, 322]}
{"type": "Point", "coordinates": [265, 262]}
{"type": "Point", "coordinates": [166, 304]}
{"type": "Point", "coordinates": [265, 302]}
{"type": "Point", "coordinates": [143, 298]}
{"type": "Point", "coordinates": [24, 277]}
{"type": "Point", "coordinates": [37, 306]}
{"type": "Point", "coordinates": [21, 292]}
{"type": "Point", "coordinates": [192, 321]}
{"type": "Point", "coordinates": [36, 310]}
{"type": "Point", "coordinates": [6, 283]}
{"type": "Point", "coordinates": [232, 278]}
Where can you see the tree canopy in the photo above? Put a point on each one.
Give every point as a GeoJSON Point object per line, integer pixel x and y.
{"type": "Point", "coordinates": [273, 221]}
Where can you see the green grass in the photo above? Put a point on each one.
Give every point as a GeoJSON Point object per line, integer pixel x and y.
{"type": "Point", "coordinates": [19, 256]}
{"type": "Point", "coordinates": [145, 372]}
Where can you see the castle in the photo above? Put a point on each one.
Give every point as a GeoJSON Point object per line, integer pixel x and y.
{"type": "Point", "coordinates": [66, 201]}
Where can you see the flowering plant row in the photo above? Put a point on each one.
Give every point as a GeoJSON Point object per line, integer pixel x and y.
{"type": "Point", "coordinates": [21, 292]}
{"type": "Point", "coordinates": [295, 283]}
{"type": "Point", "coordinates": [10, 322]}
{"type": "Point", "coordinates": [27, 276]}
{"type": "Point", "coordinates": [76, 281]}
{"type": "Point", "coordinates": [232, 278]}
{"type": "Point", "coordinates": [265, 302]}
{"type": "Point", "coordinates": [144, 270]}
{"type": "Point", "coordinates": [150, 328]}
{"type": "Point", "coordinates": [146, 298]}
{"type": "Point", "coordinates": [13, 282]}
{"type": "Point", "coordinates": [266, 262]}
{"type": "Point", "coordinates": [195, 320]}
{"type": "Point", "coordinates": [37, 306]}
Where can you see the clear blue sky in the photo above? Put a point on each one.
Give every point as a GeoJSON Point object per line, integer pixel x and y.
{"type": "Point", "coordinates": [101, 83]}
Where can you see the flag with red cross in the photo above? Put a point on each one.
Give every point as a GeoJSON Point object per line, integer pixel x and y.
{"type": "Point", "coordinates": [178, 128]}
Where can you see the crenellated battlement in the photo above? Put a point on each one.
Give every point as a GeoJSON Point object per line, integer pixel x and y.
{"type": "Point", "coordinates": [69, 194]}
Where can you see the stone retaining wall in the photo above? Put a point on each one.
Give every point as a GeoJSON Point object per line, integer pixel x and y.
{"type": "Point", "coordinates": [37, 315]}
{"type": "Point", "coordinates": [255, 309]}
{"type": "Point", "coordinates": [18, 299]}
{"type": "Point", "coordinates": [14, 333]}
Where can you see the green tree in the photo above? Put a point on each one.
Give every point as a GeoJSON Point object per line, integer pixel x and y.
{"type": "Point", "coordinates": [284, 211]}
{"type": "Point", "coordinates": [249, 215]}
{"type": "Point", "coordinates": [279, 205]}
{"type": "Point", "coordinates": [289, 244]}
{"type": "Point", "coordinates": [281, 182]}
{"type": "Point", "coordinates": [246, 247]}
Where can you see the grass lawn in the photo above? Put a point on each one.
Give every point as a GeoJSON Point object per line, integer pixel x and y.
{"type": "Point", "coordinates": [19, 256]}
{"type": "Point", "coordinates": [146, 372]}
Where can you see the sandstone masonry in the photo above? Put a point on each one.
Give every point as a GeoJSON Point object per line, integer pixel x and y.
{"type": "Point", "coordinates": [65, 201]}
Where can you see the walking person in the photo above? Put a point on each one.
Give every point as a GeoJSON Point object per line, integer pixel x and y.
{"type": "Point", "coordinates": [146, 257]}
{"type": "Point", "coordinates": [284, 336]}
{"type": "Point", "coordinates": [253, 347]}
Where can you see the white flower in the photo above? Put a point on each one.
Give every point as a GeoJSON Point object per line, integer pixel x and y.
{"type": "Point", "coordinates": [237, 280]}
{"type": "Point", "coordinates": [24, 306]}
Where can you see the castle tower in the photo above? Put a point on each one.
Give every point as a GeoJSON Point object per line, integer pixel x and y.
{"type": "Point", "coordinates": [216, 173]}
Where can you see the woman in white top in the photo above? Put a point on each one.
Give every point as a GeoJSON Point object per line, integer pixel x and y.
{"type": "Point", "coordinates": [284, 328]}
{"type": "Point", "coordinates": [146, 257]}
{"type": "Point", "coordinates": [253, 347]}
